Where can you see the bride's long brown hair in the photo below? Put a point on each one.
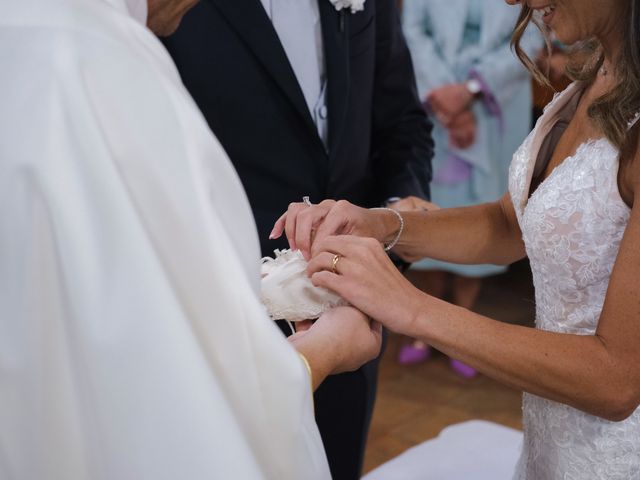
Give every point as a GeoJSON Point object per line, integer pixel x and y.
{"type": "Point", "coordinates": [613, 111]}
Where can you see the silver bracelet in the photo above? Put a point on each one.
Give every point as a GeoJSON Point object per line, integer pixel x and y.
{"type": "Point", "coordinates": [395, 240]}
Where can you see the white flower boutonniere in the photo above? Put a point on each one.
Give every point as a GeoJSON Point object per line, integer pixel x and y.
{"type": "Point", "coordinates": [354, 5]}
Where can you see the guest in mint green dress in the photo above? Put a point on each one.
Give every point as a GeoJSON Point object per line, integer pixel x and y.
{"type": "Point", "coordinates": [479, 95]}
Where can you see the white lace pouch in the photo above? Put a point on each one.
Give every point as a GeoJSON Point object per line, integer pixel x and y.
{"type": "Point", "coordinates": [287, 291]}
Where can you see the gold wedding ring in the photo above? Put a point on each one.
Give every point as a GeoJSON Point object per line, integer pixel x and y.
{"type": "Point", "coordinates": [306, 201]}
{"type": "Point", "coordinates": [334, 264]}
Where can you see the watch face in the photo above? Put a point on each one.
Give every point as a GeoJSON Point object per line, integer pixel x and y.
{"type": "Point", "coordinates": [474, 86]}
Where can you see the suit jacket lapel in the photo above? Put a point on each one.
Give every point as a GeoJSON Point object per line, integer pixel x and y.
{"type": "Point", "coordinates": [253, 25]}
{"type": "Point", "coordinates": [335, 35]}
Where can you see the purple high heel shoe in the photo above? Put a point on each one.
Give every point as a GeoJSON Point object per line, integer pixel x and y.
{"type": "Point", "coordinates": [462, 369]}
{"type": "Point", "coordinates": [414, 353]}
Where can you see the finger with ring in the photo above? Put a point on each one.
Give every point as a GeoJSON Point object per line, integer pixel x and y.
{"type": "Point", "coordinates": [306, 201]}
{"type": "Point", "coordinates": [334, 264]}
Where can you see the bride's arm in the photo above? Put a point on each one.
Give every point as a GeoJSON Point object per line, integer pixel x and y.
{"type": "Point", "coordinates": [599, 374]}
{"type": "Point", "coordinates": [487, 233]}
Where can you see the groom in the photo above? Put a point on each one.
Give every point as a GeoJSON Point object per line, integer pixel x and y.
{"type": "Point", "coordinates": [309, 100]}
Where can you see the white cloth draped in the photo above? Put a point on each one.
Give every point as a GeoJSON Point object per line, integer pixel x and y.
{"type": "Point", "coordinates": [287, 290]}
{"type": "Point", "coordinates": [137, 9]}
{"type": "Point", "coordinates": [132, 341]}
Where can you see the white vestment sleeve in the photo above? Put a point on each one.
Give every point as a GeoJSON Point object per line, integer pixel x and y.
{"type": "Point", "coordinates": [132, 342]}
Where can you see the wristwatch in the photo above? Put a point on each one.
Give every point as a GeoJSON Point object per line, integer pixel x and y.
{"type": "Point", "coordinates": [473, 86]}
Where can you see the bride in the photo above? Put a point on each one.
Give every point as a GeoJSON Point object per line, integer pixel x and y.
{"type": "Point", "coordinates": [571, 209]}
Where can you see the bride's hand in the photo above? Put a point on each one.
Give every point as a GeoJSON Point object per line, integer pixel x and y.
{"type": "Point", "coordinates": [365, 277]}
{"type": "Point", "coordinates": [306, 224]}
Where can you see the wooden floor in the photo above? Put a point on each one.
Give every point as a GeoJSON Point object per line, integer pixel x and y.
{"type": "Point", "coordinates": [415, 403]}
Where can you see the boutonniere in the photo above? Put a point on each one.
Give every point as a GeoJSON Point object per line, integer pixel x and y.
{"type": "Point", "coordinates": [354, 5]}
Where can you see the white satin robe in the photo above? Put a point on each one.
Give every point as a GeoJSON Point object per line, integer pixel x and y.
{"type": "Point", "coordinates": [132, 342]}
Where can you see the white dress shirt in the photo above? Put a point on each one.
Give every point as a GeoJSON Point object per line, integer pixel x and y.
{"type": "Point", "coordinates": [297, 23]}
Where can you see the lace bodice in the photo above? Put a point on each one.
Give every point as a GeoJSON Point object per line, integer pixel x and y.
{"type": "Point", "coordinates": [572, 226]}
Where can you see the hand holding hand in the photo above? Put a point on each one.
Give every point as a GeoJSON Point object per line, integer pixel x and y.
{"type": "Point", "coordinates": [341, 340]}
{"type": "Point", "coordinates": [448, 101]}
{"type": "Point", "coordinates": [462, 130]}
{"type": "Point", "coordinates": [365, 277]}
{"type": "Point", "coordinates": [304, 224]}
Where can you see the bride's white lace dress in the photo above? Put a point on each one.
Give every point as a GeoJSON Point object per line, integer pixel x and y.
{"type": "Point", "coordinates": [572, 226]}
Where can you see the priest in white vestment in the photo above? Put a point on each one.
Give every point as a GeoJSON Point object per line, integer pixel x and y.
{"type": "Point", "coordinates": [132, 342]}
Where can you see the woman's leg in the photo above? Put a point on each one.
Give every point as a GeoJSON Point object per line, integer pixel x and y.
{"type": "Point", "coordinates": [433, 282]}
{"type": "Point", "coordinates": [465, 293]}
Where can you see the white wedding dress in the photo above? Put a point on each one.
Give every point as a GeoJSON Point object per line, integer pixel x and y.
{"type": "Point", "coordinates": [572, 226]}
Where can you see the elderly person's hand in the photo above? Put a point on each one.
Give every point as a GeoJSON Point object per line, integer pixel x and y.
{"type": "Point", "coordinates": [341, 340]}
{"type": "Point", "coordinates": [365, 276]}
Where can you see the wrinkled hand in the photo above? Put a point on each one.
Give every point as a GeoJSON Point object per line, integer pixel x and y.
{"type": "Point", "coordinates": [367, 279]}
{"type": "Point", "coordinates": [341, 340]}
{"type": "Point", "coordinates": [462, 130]}
{"type": "Point", "coordinates": [304, 225]}
{"type": "Point", "coordinates": [449, 101]}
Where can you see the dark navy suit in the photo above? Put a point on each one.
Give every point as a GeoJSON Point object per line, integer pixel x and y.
{"type": "Point", "coordinates": [379, 146]}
